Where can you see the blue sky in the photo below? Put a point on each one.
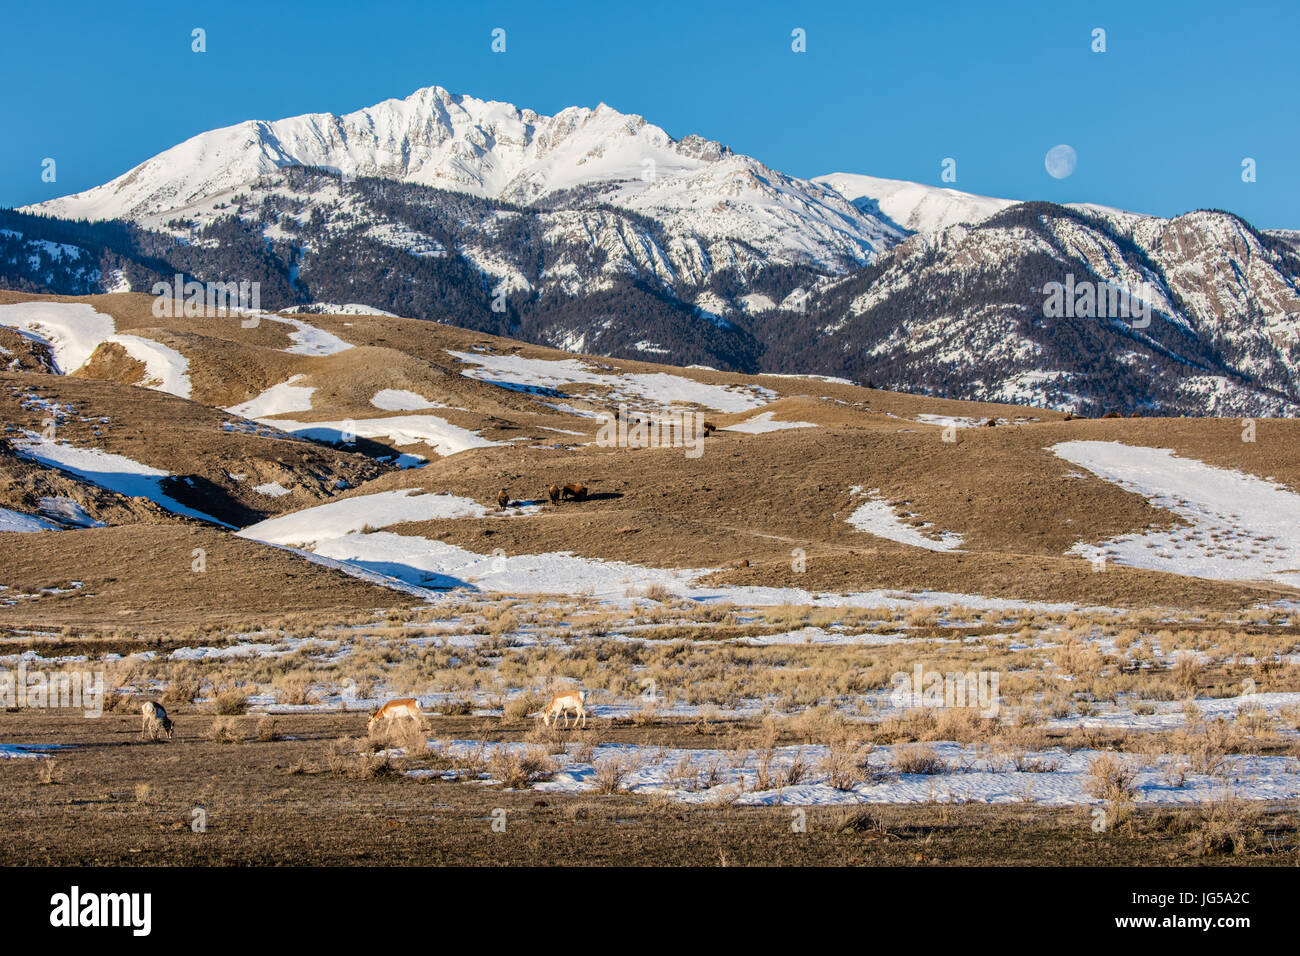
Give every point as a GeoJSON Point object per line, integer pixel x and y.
{"type": "Point", "coordinates": [1161, 121]}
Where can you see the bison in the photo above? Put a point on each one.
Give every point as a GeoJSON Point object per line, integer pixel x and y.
{"type": "Point", "coordinates": [503, 500]}
{"type": "Point", "coordinates": [574, 491]}
{"type": "Point", "coordinates": [554, 492]}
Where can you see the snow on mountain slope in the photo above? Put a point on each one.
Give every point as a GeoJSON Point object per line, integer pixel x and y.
{"type": "Point", "coordinates": [74, 330]}
{"type": "Point", "coordinates": [493, 149]}
{"type": "Point", "coordinates": [913, 206]}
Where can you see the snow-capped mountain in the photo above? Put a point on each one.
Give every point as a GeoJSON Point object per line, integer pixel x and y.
{"type": "Point", "coordinates": [962, 312]}
{"type": "Point", "coordinates": [913, 207]}
{"type": "Point", "coordinates": [497, 151]}
{"type": "Point", "coordinates": [593, 230]}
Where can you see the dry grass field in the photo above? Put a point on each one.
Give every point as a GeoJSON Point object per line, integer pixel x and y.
{"type": "Point", "coordinates": [858, 628]}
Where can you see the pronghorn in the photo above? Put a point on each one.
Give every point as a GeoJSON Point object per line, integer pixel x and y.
{"type": "Point", "coordinates": [407, 707]}
{"type": "Point", "coordinates": [152, 716]}
{"type": "Point", "coordinates": [573, 700]}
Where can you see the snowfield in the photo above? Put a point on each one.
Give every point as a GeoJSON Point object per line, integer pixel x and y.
{"type": "Point", "coordinates": [113, 472]}
{"type": "Point", "coordinates": [338, 519]}
{"type": "Point", "coordinates": [307, 339]}
{"type": "Point", "coordinates": [334, 534]}
{"type": "Point", "coordinates": [18, 521]}
{"type": "Point", "coordinates": [700, 776]}
{"type": "Point", "coordinates": [1239, 526]}
{"type": "Point", "coordinates": [73, 331]}
{"type": "Point", "coordinates": [279, 399]}
{"type": "Point", "coordinates": [762, 423]}
{"type": "Point", "coordinates": [401, 400]}
{"type": "Point", "coordinates": [659, 389]}
{"type": "Point", "coordinates": [439, 434]}
{"type": "Point", "coordinates": [878, 517]}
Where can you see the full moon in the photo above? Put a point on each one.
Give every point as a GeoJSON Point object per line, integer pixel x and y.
{"type": "Point", "coordinates": [1060, 161]}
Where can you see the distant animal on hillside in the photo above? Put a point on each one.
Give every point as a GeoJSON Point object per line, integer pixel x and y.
{"type": "Point", "coordinates": [991, 423]}
{"type": "Point", "coordinates": [554, 492]}
{"type": "Point", "coordinates": [407, 708]}
{"type": "Point", "coordinates": [709, 429]}
{"type": "Point", "coordinates": [154, 719]}
{"type": "Point", "coordinates": [503, 500]}
{"type": "Point", "coordinates": [1069, 416]}
{"type": "Point", "coordinates": [575, 491]}
{"type": "Point", "coordinates": [574, 700]}
{"type": "Point", "coordinates": [1134, 415]}
{"type": "Point", "coordinates": [1112, 415]}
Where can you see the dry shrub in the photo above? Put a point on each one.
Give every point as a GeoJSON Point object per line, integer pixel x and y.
{"type": "Point", "coordinates": [182, 688]}
{"type": "Point", "coordinates": [230, 702]}
{"type": "Point", "coordinates": [225, 730]}
{"type": "Point", "coordinates": [1226, 825]}
{"type": "Point", "coordinates": [797, 771]}
{"type": "Point", "coordinates": [1110, 778]}
{"type": "Point", "coordinates": [296, 691]}
{"type": "Point", "coordinates": [266, 729]}
{"type": "Point", "coordinates": [343, 758]}
{"type": "Point", "coordinates": [1208, 744]}
{"type": "Point", "coordinates": [406, 734]}
{"type": "Point", "coordinates": [1186, 671]}
{"type": "Point", "coordinates": [846, 763]}
{"type": "Point", "coordinates": [519, 707]}
{"type": "Point", "coordinates": [519, 768]}
{"type": "Point", "coordinates": [657, 592]}
{"type": "Point", "coordinates": [612, 771]}
{"type": "Point", "coordinates": [584, 746]}
{"type": "Point", "coordinates": [549, 738]}
{"type": "Point", "coordinates": [118, 700]}
{"type": "Point", "coordinates": [918, 758]}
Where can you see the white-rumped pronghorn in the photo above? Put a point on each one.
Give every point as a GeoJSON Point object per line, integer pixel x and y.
{"type": "Point", "coordinates": [152, 716]}
{"type": "Point", "coordinates": [407, 707]}
{"type": "Point", "coordinates": [573, 700]}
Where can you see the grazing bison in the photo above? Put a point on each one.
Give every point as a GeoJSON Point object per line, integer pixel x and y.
{"type": "Point", "coordinates": [503, 500]}
{"type": "Point", "coordinates": [991, 423]}
{"type": "Point", "coordinates": [575, 491]}
{"type": "Point", "coordinates": [1112, 415]}
{"type": "Point", "coordinates": [154, 719]}
{"type": "Point", "coordinates": [709, 429]}
{"type": "Point", "coordinates": [554, 492]}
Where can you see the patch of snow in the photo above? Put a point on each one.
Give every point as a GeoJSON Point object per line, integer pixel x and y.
{"type": "Point", "coordinates": [440, 435]}
{"type": "Point", "coordinates": [877, 517]}
{"type": "Point", "coordinates": [113, 472]}
{"type": "Point", "coordinates": [400, 400]}
{"type": "Point", "coordinates": [1239, 526]}
{"type": "Point", "coordinates": [18, 521]}
{"type": "Point", "coordinates": [762, 423]}
{"type": "Point", "coordinates": [277, 400]}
